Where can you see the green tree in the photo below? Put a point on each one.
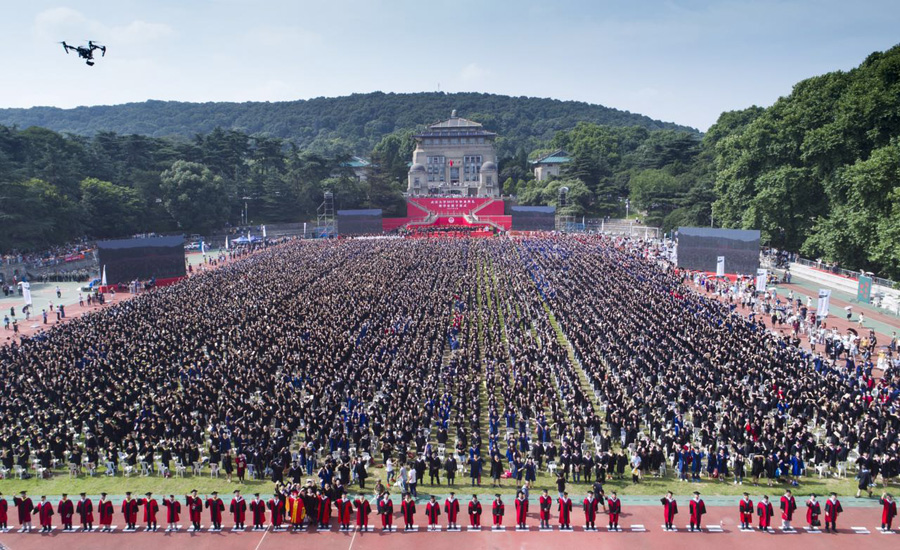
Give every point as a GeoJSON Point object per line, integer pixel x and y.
{"type": "Point", "coordinates": [109, 210]}
{"type": "Point", "coordinates": [195, 198]}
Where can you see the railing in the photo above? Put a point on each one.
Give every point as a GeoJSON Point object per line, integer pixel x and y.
{"type": "Point", "coordinates": [843, 272]}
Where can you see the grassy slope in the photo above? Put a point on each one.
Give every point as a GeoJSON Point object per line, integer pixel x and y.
{"type": "Point", "coordinates": [61, 482]}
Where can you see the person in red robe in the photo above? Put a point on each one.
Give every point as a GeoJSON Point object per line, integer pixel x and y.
{"type": "Point", "coordinates": [4, 513]}
{"type": "Point", "coordinates": [832, 509]}
{"type": "Point", "coordinates": [130, 511]}
{"type": "Point", "coordinates": [363, 509]}
{"type": "Point", "coordinates": [66, 510]}
{"type": "Point", "coordinates": [195, 509]}
{"type": "Point", "coordinates": [475, 513]}
{"type": "Point", "coordinates": [85, 511]}
{"type": "Point", "coordinates": [615, 509]}
{"type": "Point", "coordinates": [173, 512]}
{"type": "Point", "coordinates": [765, 511]}
{"type": "Point", "coordinates": [670, 508]}
{"type": "Point", "coordinates": [386, 510]}
{"type": "Point", "coordinates": [451, 506]}
{"type": "Point", "coordinates": [324, 510]}
{"type": "Point", "coordinates": [565, 512]}
{"type": "Point", "coordinates": [788, 507]}
{"type": "Point", "coordinates": [433, 512]}
{"type": "Point", "coordinates": [697, 509]}
{"type": "Point", "coordinates": [590, 507]}
{"type": "Point", "coordinates": [408, 511]}
{"type": "Point", "coordinates": [151, 508]}
{"type": "Point", "coordinates": [277, 505]}
{"type": "Point", "coordinates": [24, 507]}
{"type": "Point", "coordinates": [521, 510]}
{"type": "Point", "coordinates": [216, 507]}
{"type": "Point", "coordinates": [498, 509]}
{"type": "Point", "coordinates": [45, 514]}
{"type": "Point", "coordinates": [344, 510]}
{"type": "Point", "coordinates": [258, 510]}
{"type": "Point", "coordinates": [105, 510]}
{"type": "Point", "coordinates": [888, 511]}
{"type": "Point", "coordinates": [545, 502]}
{"type": "Point", "coordinates": [745, 511]}
{"type": "Point", "coordinates": [238, 509]}
{"type": "Point", "coordinates": [813, 511]}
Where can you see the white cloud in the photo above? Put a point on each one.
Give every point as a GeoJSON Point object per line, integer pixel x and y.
{"type": "Point", "coordinates": [68, 24]}
{"type": "Point", "coordinates": [473, 71]}
{"type": "Point", "coordinates": [282, 36]}
{"type": "Point", "coordinates": [139, 32]}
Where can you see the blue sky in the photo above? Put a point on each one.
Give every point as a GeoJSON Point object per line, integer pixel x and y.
{"type": "Point", "coordinates": [684, 61]}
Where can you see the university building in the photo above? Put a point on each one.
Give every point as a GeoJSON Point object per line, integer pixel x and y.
{"type": "Point", "coordinates": [455, 157]}
{"type": "Point", "coordinates": [550, 165]}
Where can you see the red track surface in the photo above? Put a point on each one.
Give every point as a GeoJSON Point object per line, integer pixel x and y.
{"type": "Point", "coordinates": [648, 516]}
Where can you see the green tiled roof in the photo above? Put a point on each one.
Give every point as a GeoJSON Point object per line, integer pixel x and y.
{"type": "Point", "coordinates": [553, 160]}
{"type": "Point", "coordinates": [356, 162]}
{"type": "Point", "coordinates": [557, 157]}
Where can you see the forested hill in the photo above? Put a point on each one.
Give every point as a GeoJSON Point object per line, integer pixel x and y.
{"type": "Point", "coordinates": [352, 124]}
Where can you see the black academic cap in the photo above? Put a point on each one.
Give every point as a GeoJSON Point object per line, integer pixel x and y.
{"type": "Point", "coordinates": [64, 495]}
{"type": "Point", "coordinates": [147, 494]}
{"type": "Point", "coordinates": [127, 493]}
{"type": "Point", "coordinates": [236, 491]}
{"type": "Point", "coordinates": [82, 494]}
{"type": "Point", "coordinates": [256, 494]}
{"type": "Point", "coordinates": [215, 493]}
{"type": "Point", "coordinates": [101, 494]}
{"type": "Point", "coordinates": [696, 492]}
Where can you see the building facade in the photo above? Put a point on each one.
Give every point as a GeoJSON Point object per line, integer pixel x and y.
{"type": "Point", "coordinates": [455, 157]}
{"type": "Point", "coordinates": [550, 165]}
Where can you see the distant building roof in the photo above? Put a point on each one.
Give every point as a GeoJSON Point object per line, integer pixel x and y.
{"type": "Point", "coordinates": [455, 127]}
{"type": "Point", "coordinates": [557, 157]}
{"type": "Point", "coordinates": [356, 162]}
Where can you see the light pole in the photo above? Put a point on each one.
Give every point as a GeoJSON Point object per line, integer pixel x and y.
{"type": "Point", "coordinates": [627, 204]}
{"type": "Point", "coordinates": [246, 218]}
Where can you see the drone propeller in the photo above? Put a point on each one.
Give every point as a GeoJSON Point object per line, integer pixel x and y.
{"type": "Point", "coordinates": [95, 46]}
{"type": "Point", "coordinates": [65, 46]}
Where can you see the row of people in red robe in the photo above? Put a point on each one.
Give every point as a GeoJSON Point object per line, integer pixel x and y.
{"type": "Point", "coordinates": [283, 511]}
{"type": "Point", "coordinates": [765, 511]}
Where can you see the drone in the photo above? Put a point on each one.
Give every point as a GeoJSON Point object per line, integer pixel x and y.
{"type": "Point", "coordinates": [86, 52]}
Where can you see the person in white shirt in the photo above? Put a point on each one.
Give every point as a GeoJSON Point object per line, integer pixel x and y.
{"type": "Point", "coordinates": [411, 482]}
{"type": "Point", "coordinates": [389, 468]}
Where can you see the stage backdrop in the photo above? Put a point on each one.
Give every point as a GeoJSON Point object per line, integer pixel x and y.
{"type": "Point", "coordinates": [533, 218]}
{"type": "Point", "coordinates": [699, 248]}
{"type": "Point", "coordinates": [359, 222]}
{"type": "Point", "coordinates": [129, 259]}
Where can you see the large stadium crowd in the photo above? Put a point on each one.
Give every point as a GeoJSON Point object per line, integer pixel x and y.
{"type": "Point", "coordinates": [318, 359]}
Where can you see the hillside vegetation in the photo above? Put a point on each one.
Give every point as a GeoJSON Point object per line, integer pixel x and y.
{"type": "Point", "coordinates": [817, 172]}
{"type": "Point", "coordinates": [352, 124]}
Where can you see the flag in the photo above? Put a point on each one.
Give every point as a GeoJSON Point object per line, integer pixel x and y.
{"type": "Point", "coordinates": [264, 231]}
{"type": "Point", "coordinates": [26, 292]}
{"type": "Point", "coordinates": [720, 266]}
{"type": "Point", "coordinates": [226, 242]}
{"type": "Point", "coordinates": [761, 276]}
{"type": "Point", "coordinates": [203, 248]}
{"type": "Point", "coordinates": [824, 298]}
{"type": "Point", "coordinates": [103, 277]}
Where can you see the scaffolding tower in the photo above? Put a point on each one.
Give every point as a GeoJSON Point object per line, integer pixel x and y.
{"type": "Point", "coordinates": [565, 221]}
{"type": "Point", "coordinates": [326, 228]}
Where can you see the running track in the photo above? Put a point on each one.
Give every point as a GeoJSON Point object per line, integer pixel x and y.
{"type": "Point", "coordinates": [647, 516]}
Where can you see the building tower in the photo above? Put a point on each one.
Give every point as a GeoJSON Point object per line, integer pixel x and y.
{"type": "Point", "coordinates": [455, 157]}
